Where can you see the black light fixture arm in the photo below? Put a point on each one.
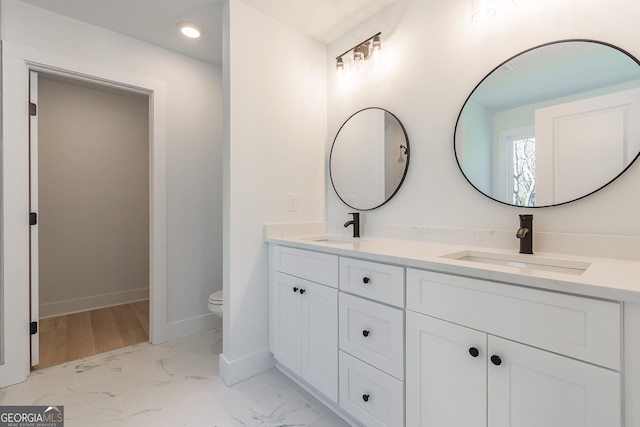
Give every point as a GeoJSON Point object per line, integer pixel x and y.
{"type": "Point", "coordinates": [359, 44]}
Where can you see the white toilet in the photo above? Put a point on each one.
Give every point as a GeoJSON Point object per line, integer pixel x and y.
{"type": "Point", "coordinates": [215, 303]}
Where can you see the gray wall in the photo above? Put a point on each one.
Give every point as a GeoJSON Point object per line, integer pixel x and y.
{"type": "Point", "coordinates": [93, 195]}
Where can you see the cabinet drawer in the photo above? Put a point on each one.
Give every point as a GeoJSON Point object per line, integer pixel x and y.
{"type": "Point", "coordinates": [369, 395]}
{"type": "Point", "coordinates": [315, 266]}
{"type": "Point", "coordinates": [373, 332]}
{"type": "Point", "coordinates": [380, 282]}
{"type": "Point", "coordinates": [579, 327]}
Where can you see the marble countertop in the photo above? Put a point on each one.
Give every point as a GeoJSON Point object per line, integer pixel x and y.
{"type": "Point", "coordinates": [611, 279]}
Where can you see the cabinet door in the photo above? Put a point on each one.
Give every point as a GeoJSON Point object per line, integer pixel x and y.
{"type": "Point", "coordinates": [320, 337]}
{"type": "Point", "coordinates": [285, 320]}
{"type": "Point", "coordinates": [532, 388]}
{"type": "Point", "coordinates": [446, 384]}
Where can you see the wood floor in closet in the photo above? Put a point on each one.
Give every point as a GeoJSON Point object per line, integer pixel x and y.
{"type": "Point", "coordinates": [78, 335]}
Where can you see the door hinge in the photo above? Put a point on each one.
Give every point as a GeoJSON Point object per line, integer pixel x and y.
{"type": "Point", "coordinates": [33, 109]}
{"type": "Point", "coordinates": [33, 218]}
{"type": "Point", "coordinates": [33, 328]}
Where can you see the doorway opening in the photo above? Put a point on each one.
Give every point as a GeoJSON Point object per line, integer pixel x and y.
{"type": "Point", "coordinates": [90, 244]}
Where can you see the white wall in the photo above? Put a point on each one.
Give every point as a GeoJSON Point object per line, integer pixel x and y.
{"type": "Point", "coordinates": [435, 57]}
{"type": "Point", "coordinates": [274, 145]}
{"type": "Point", "coordinates": [188, 115]}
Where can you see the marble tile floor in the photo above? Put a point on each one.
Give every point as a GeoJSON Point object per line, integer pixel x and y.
{"type": "Point", "coordinates": [172, 384]}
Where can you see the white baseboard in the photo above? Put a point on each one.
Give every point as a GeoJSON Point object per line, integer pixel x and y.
{"type": "Point", "coordinates": [91, 303]}
{"type": "Point", "coordinates": [234, 371]}
{"type": "Point", "coordinates": [184, 328]}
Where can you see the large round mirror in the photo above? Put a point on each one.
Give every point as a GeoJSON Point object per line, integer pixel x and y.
{"type": "Point", "coordinates": [369, 159]}
{"type": "Point", "coordinates": [552, 124]}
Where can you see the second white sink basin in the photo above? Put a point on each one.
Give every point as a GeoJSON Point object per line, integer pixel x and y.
{"type": "Point", "coordinates": [530, 262]}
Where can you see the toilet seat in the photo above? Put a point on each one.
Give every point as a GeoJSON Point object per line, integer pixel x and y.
{"type": "Point", "coordinates": [216, 298]}
{"type": "Point", "coordinates": [215, 303]}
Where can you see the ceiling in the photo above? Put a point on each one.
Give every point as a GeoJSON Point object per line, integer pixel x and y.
{"type": "Point", "coordinates": [154, 21]}
{"type": "Point", "coordinates": [322, 20]}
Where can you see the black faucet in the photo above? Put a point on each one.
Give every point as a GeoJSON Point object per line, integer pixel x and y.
{"type": "Point", "coordinates": [355, 222]}
{"type": "Point", "coordinates": [525, 234]}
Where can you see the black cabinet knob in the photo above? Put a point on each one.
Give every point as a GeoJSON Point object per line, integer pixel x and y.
{"type": "Point", "coordinates": [365, 397]}
{"type": "Point", "coordinates": [295, 289]}
{"type": "Point", "coordinates": [302, 291]}
{"type": "Point", "coordinates": [474, 352]}
{"type": "Point", "coordinates": [496, 360]}
{"type": "Point", "coordinates": [365, 333]}
{"type": "Point", "coordinates": [366, 280]}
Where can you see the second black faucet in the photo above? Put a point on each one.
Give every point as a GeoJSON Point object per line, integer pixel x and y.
{"type": "Point", "coordinates": [525, 234]}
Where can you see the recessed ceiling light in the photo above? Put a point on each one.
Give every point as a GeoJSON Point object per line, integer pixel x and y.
{"type": "Point", "coordinates": [189, 29]}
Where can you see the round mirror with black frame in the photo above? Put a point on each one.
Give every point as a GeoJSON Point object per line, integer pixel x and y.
{"type": "Point", "coordinates": [369, 158]}
{"type": "Point", "coordinates": [552, 124]}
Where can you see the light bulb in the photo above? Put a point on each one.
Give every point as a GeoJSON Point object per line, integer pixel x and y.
{"type": "Point", "coordinates": [340, 74]}
{"type": "Point", "coordinates": [356, 63]}
{"type": "Point", "coordinates": [376, 54]}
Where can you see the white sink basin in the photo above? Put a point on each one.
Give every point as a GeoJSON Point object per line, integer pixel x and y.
{"type": "Point", "coordinates": [336, 240]}
{"type": "Point", "coordinates": [529, 262]}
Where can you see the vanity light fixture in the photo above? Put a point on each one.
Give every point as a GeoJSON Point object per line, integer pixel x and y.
{"type": "Point", "coordinates": [189, 29]}
{"type": "Point", "coordinates": [368, 49]}
{"type": "Point", "coordinates": [482, 10]}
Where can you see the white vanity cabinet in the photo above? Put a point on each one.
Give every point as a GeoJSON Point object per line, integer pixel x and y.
{"type": "Point", "coordinates": [481, 353]}
{"type": "Point", "coordinates": [371, 336]}
{"type": "Point", "coordinates": [303, 316]}
{"type": "Point", "coordinates": [389, 345]}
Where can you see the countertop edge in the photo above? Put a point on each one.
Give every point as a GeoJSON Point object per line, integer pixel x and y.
{"type": "Point", "coordinates": [604, 279]}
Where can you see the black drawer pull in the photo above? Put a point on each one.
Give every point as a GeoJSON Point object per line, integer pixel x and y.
{"type": "Point", "coordinates": [365, 280]}
{"type": "Point", "coordinates": [365, 397]}
{"type": "Point", "coordinates": [496, 360]}
{"type": "Point", "coordinates": [474, 352]}
{"type": "Point", "coordinates": [365, 333]}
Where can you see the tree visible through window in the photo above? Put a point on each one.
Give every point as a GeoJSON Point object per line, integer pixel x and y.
{"type": "Point", "coordinates": [524, 171]}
